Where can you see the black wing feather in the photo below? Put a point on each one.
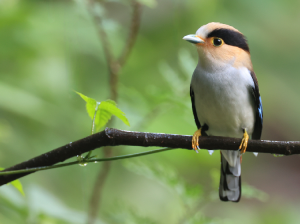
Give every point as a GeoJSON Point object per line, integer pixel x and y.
{"type": "Point", "coordinates": [204, 128]}
{"type": "Point", "coordinates": [194, 108]}
{"type": "Point", "coordinates": [258, 109]}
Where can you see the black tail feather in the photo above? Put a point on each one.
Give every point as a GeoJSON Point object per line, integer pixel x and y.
{"type": "Point", "coordinates": [223, 188]}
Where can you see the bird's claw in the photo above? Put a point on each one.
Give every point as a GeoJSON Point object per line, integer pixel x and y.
{"type": "Point", "coordinates": [244, 143]}
{"type": "Point", "coordinates": [195, 140]}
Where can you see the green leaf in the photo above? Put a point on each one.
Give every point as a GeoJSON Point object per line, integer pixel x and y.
{"type": "Point", "coordinates": [105, 110]}
{"type": "Point", "coordinates": [110, 107]}
{"type": "Point", "coordinates": [90, 104]}
{"type": "Point", "coordinates": [17, 184]}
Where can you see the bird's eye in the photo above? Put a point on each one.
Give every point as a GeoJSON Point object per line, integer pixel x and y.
{"type": "Point", "coordinates": [217, 42]}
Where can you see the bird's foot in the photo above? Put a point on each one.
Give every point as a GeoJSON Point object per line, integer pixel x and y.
{"type": "Point", "coordinates": [195, 140]}
{"type": "Point", "coordinates": [244, 143]}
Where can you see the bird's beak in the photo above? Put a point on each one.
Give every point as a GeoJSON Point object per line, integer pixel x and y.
{"type": "Point", "coordinates": [194, 39]}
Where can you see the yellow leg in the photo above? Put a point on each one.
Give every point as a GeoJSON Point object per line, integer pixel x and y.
{"type": "Point", "coordinates": [244, 143]}
{"type": "Point", "coordinates": [195, 139]}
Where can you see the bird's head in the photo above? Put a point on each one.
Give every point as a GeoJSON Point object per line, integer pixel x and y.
{"type": "Point", "coordinates": [220, 45]}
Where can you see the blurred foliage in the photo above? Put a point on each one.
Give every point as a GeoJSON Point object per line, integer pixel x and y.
{"type": "Point", "coordinates": [50, 48]}
{"type": "Point", "coordinates": [121, 213]}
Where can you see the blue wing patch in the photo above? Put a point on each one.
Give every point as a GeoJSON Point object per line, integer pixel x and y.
{"type": "Point", "coordinates": [260, 109]}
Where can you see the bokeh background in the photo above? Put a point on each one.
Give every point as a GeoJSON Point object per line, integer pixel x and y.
{"type": "Point", "coordinates": [50, 48]}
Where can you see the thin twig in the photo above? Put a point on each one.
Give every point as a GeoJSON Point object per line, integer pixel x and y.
{"type": "Point", "coordinates": [101, 33]}
{"type": "Point", "coordinates": [114, 137]}
{"type": "Point", "coordinates": [113, 65]}
{"type": "Point", "coordinates": [30, 170]}
{"type": "Point", "coordinates": [134, 28]}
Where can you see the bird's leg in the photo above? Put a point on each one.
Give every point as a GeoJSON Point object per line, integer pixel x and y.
{"type": "Point", "coordinates": [195, 139]}
{"type": "Point", "coordinates": [244, 143]}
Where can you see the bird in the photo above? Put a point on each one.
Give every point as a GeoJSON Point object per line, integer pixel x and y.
{"type": "Point", "coordinates": [225, 98]}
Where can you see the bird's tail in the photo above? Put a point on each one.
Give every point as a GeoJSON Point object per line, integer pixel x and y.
{"type": "Point", "coordinates": [230, 182]}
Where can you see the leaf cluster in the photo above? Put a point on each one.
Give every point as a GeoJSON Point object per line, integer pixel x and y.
{"type": "Point", "coordinates": [101, 112]}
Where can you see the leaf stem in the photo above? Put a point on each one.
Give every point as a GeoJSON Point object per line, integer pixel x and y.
{"type": "Point", "coordinates": [93, 124]}
{"type": "Point", "coordinates": [93, 128]}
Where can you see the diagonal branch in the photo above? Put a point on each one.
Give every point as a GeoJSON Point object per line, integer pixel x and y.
{"type": "Point", "coordinates": [114, 137]}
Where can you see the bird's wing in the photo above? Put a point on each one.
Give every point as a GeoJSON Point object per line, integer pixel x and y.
{"type": "Point", "coordinates": [258, 108]}
{"type": "Point", "coordinates": [194, 108]}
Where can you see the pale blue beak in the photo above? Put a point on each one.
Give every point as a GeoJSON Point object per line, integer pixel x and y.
{"type": "Point", "coordinates": [194, 39]}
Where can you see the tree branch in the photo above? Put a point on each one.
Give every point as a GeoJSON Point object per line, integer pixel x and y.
{"type": "Point", "coordinates": [114, 137]}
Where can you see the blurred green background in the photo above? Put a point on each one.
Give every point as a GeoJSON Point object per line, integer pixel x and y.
{"type": "Point", "coordinates": [50, 48]}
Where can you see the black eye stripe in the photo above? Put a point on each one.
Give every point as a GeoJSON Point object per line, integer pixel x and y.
{"type": "Point", "coordinates": [230, 37]}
